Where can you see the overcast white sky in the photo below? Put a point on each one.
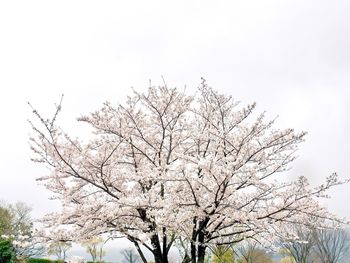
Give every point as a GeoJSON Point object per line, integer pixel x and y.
{"type": "Point", "coordinates": [291, 57]}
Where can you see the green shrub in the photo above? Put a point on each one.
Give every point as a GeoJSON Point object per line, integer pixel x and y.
{"type": "Point", "coordinates": [42, 260]}
{"type": "Point", "coordinates": [7, 253]}
{"type": "Point", "coordinates": [38, 260]}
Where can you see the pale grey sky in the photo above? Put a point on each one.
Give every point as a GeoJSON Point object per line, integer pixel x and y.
{"type": "Point", "coordinates": [291, 57]}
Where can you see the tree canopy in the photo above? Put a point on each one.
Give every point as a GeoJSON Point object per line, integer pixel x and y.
{"type": "Point", "coordinates": [166, 164]}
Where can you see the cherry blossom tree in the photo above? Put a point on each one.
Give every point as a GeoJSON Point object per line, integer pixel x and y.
{"type": "Point", "coordinates": [166, 165]}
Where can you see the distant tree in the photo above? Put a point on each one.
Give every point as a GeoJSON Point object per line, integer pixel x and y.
{"type": "Point", "coordinates": [314, 245]}
{"type": "Point", "coordinates": [256, 256]}
{"type": "Point", "coordinates": [331, 245]}
{"type": "Point", "coordinates": [6, 219]}
{"type": "Point", "coordinates": [22, 221]}
{"type": "Point", "coordinates": [250, 252]}
{"type": "Point", "coordinates": [94, 247]}
{"type": "Point", "coordinates": [15, 219]}
{"type": "Point", "coordinates": [59, 249]}
{"type": "Point", "coordinates": [27, 244]}
{"type": "Point", "coordinates": [223, 254]}
{"type": "Point", "coordinates": [130, 256]}
{"type": "Point", "coordinates": [300, 246]}
{"type": "Point", "coordinates": [16, 223]}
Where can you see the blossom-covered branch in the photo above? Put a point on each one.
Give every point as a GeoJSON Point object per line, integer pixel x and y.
{"type": "Point", "coordinates": [165, 164]}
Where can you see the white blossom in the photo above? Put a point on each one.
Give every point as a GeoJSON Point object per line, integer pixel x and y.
{"type": "Point", "coordinates": [166, 164]}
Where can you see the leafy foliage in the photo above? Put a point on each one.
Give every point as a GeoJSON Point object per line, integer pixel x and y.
{"type": "Point", "coordinates": [5, 221]}
{"type": "Point", "coordinates": [38, 260]}
{"type": "Point", "coordinates": [7, 252]}
{"type": "Point", "coordinates": [223, 254]}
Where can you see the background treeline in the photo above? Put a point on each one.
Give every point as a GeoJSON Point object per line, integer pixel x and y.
{"type": "Point", "coordinates": [310, 245]}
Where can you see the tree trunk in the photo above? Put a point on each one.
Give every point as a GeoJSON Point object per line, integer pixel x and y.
{"type": "Point", "coordinates": [157, 251]}
{"type": "Point", "coordinates": [186, 259]}
{"type": "Point", "coordinates": [159, 255]}
{"type": "Point", "coordinates": [165, 249]}
{"type": "Point", "coordinates": [165, 257]}
{"type": "Point", "coordinates": [201, 247]}
{"type": "Point", "coordinates": [193, 253]}
{"type": "Point", "coordinates": [201, 253]}
{"type": "Point", "coordinates": [157, 258]}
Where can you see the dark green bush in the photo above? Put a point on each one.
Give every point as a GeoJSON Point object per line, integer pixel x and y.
{"type": "Point", "coordinates": [38, 260]}
{"type": "Point", "coordinates": [7, 253]}
{"type": "Point", "coordinates": [41, 260]}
